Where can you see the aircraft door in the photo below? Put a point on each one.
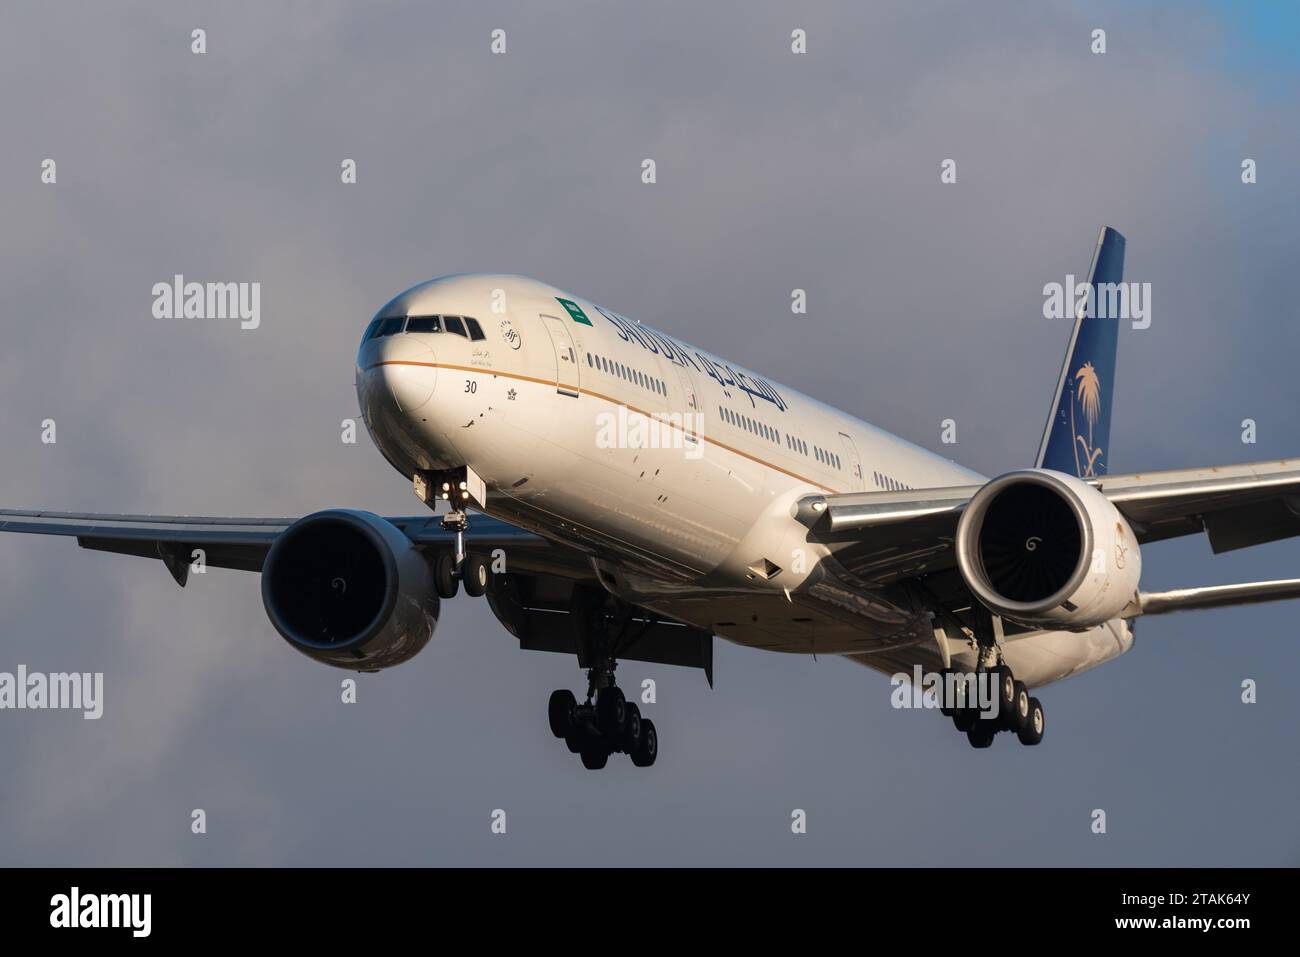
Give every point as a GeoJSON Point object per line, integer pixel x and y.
{"type": "Point", "coordinates": [566, 356]}
{"type": "Point", "coordinates": [855, 463]}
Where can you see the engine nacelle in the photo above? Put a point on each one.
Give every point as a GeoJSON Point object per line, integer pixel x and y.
{"type": "Point", "coordinates": [1047, 550]}
{"type": "Point", "coordinates": [349, 589]}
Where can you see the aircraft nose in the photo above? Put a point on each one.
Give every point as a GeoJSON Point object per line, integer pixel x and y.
{"type": "Point", "coordinates": [400, 369]}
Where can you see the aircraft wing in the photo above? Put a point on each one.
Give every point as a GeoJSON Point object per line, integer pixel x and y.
{"type": "Point", "coordinates": [888, 537]}
{"type": "Point", "coordinates": [534, 601]}
{"type": "Point", "coordinates": [1235, 505]}
{"type": "Point", "coordinates": [243, 542]}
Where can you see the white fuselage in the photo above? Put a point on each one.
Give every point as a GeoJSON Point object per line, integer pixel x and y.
{"type": "Point", "coordinates": [676, 470]}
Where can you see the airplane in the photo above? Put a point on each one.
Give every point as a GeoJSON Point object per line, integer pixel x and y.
{"type": "Point", "coordinates": [618, 494]}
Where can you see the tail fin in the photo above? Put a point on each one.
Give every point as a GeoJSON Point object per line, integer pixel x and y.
{"type": "Point", "coordinates": [1077, 437]}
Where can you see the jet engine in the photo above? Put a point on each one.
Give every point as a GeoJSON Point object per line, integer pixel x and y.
{"type": "Point", "coordinates": [347, 588]}
{"type": "Point", "coordinates": [1046, 550]}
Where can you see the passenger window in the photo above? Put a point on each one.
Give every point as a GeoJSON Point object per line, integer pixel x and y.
{"type": "Point", "coordinates": [475, 330]}
{"type": "Point", "coordinates": [424, 324]}
{"type": "Point", "coordinates": [453, 324]}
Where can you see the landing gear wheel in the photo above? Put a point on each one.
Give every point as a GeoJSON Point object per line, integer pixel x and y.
{"type": "Point", "coordinates": [946, 708]}
{"type": "Point", "coordinates": [559, 710]}
{"type": "Point", "coordinates": [1018, 716]}
{"type": "Point", "coordinates": [981, 734]}
{"type": "Point", "coordinates": [647, 748]}
{"type": "Point", "coordinates": [593, 759]}
{"type": "Point", "coordinates": [1032, 730]}
{"type": "Point", "coordinates": [474, 573]}
{"type": "Point", "coordinates": [964, 719]}
{"type": "Point", "coordinates": [631, 728]}
{"type": "Point", "coordinates": [611, 709]}
{"type": "Point", "coordinates": [444, 576]}
{"type": "Point", "coordinates": [1004, 691]}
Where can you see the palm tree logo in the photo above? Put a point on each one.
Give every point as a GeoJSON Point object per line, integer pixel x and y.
{"type": "Point", "coordinates": [1088, 396]}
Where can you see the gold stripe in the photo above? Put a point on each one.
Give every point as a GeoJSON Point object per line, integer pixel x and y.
{"type": "Point", "coordinates": [600, 395]}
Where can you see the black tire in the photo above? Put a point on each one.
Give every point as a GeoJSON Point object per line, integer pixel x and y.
{"type": "Point", "coordinates": [474, 573]}
{"type": "Point", "coordinates": [573, 741]}
{"type": "Point", "coordinates": [647, 748]}
{"type": "Point", "coordinates": [611, 710]}
{"type": "Point", "coordinates": [559, 710]}
{"type": "Point", "coordinates": [631, 727]}
{"type": "Point", "coordinates": [964, 718]}
{"type": "Point", "coordinates": [946, 708]}
{"type": "Point", "coordinates": [445, 582]}
{"type": "Point", "coordinates": [1032, 732]}
{"type": "Point", "coordinates": [1004, 691]}
{"type": "Point", "coordinates": [593, 759]}
{"type": "Point", "coordinates": [1015, 719]}
{"type": "Point", "coordinates": [981, 734]}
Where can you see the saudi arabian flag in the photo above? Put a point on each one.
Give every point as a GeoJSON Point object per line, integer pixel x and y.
{"type": "Point", "coordinates": [574, 310]}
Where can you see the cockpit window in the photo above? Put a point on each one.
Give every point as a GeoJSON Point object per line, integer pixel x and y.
{"type": "Point", "coordinates": [390, 326]}
{"type": "Point", "coordinates": [424, 324]}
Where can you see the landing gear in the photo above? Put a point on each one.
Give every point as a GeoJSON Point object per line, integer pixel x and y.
{"type": "Point", "coordinates": [981, 734]}
{"type": "Point", "coordinates": [445, 580]}
{"type": "Point", "coordinates": [1000, 703]}
{"type": "Point", "coordinates": [474, 573]}
{"type": "Point", "coordinates": [606, 722]}
{"type": "Point", "coordinates": [451, 570]}
{"type": "Point", "coordinates": [647, 747]}
{"type": "Point", "coordinates": [611, 725]}
{"type": "Point", "coordinates": [1031, 732]}
{"type": "Point", "coordinates": [611, 707]}
{"type": "Point", "coordinates": [560, 712]}
{"type": "Point", "coordinates": [1020, 709]}
{"type": "Point", "coordinates": [1004, 691]}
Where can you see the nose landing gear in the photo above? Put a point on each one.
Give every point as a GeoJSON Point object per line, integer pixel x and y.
{"type": "Point", "coordinates": [451, 570]}
{"type": "Point", "coordinates": [458, 488]}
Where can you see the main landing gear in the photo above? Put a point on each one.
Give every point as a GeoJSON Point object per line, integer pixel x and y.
{"type": "Point", "coordinates": [608, 726]}
{"type": "Point", "coordinates": [451, 570]}
{"type": "Point", "coordinates": [606, 723]}
{"type": "Point", "coordinates": [992, 700]}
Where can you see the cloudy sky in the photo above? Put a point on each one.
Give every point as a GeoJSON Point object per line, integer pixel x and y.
{"type": "Point", "coordinates": [775, 171]}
